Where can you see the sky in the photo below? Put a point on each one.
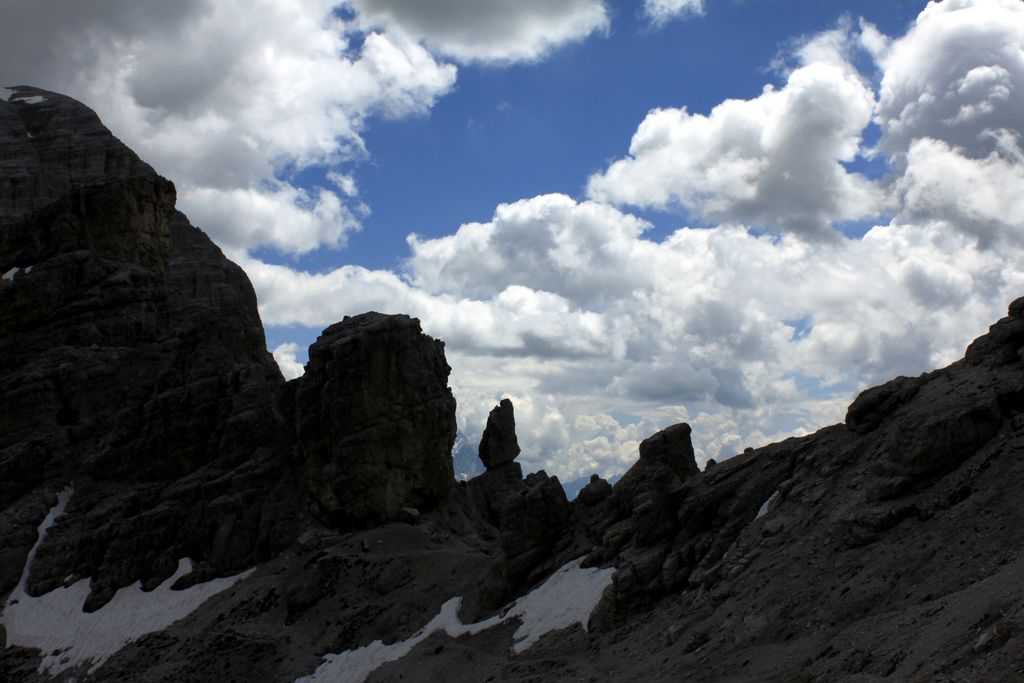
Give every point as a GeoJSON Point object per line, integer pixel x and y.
{"type": "Point", "coordinates": [621, 215]}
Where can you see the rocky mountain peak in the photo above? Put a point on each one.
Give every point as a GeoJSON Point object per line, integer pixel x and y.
{"type": "Point", "coordinates": [37, 163]}
{"type": "Point", "coordinates": [172, 509]}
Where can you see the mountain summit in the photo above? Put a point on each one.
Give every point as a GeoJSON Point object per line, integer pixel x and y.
{"type": "Point", "coordinates": [172, 509]}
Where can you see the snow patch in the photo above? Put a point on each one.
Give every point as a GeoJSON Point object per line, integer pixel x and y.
{"type": "Point", "coordinates": [6, 94]}
{"type": "Point", "coordinates": [566, 598]}
{"type": "Point", "coordinates": [766, 506]}
{"type": "Point", "coordinates": [9, 275]}
{"type": "Point", "coordinates": [29, 269]}
{"type": "Point", "coordinates": [34, 99]}
{"type": "Point", "coordinates": [353, 666]}
{"type": "Point", "coordinates": [55, 623]}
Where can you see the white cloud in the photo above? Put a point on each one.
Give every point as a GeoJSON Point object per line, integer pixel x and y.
{"type": "Point", "coordinates": [957, 73]}
{"type": "Point", "coordinates": [981, 197]}
{"type": "Point", "coordinates": [660, 12]}
{"type": "Point", "coordinates": [277, 214]}
{"type": "Point", "coordinates": [286, 356]}
{"type": "Point", "coordinates": [774, 161]}
{"type": "Point", "coordinates": [700, 326]}
{"type": "Point", "coordinates": [494, 31]}
{"type": "Point", "coordinates": [228, 98]}
{"type": "Point", "coordinates": [601, 335]}
{"type": "Point", "coordinates": [580, 251]}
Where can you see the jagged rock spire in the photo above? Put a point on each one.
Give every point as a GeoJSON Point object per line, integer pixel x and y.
{"type": "Point", "coordinates": [499, 444]}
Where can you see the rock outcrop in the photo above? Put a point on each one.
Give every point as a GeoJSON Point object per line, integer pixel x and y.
{"type": "Point", "coordinates": [133, 363]}
{"type": "Point", "coordinates": [499, 444]}
{"type": "Point", "coordinates": [530, 517]}
{"type": "Point", "coordinates": [596, 490]}
{"type": "Point", "coordinates": [374, 420]}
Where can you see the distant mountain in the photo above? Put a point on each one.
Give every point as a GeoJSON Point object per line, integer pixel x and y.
{"type": "Point", "coordinates": [172, 510]}
{"type": "Point", "coordinates": [465, 459]}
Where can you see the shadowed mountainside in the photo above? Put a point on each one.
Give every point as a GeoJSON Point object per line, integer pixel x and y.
{"type": "Point", "coordinates": [133, 366]}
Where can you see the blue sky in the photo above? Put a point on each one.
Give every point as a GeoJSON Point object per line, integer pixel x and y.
{"type": "Point", "coordinates": [509, 132]}
{"type": "Point", "coordinates": [505, 133]}
{"type": "Point", "coordinates": [625, 215]}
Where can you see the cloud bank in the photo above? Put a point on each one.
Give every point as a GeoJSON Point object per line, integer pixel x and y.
{"type": "Point", "coordinates": [602, 334]}
{"type": "Point", "coordinates": [756, 319]}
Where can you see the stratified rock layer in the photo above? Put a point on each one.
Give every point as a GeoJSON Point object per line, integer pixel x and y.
{"type": "Point", "coordinates": [374, 419]}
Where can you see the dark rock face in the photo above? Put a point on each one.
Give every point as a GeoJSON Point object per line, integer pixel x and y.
{"type": "Point", "coordinates": [499, 444]}
{"type": "Point", "coordinates": [671, 447]}
{"type": "Point", "coordinates": [595, 491]}
{"type": "Point", "coordinates": [38, 166]}
{"type": "Point", "coordinates": [374, 419]}
{"type": "Point", "coordinates": [133, 363]}
{"type": "Point", "coordinates": [532, 519]}
{"type": "Point", "coordinates": [902, 518]}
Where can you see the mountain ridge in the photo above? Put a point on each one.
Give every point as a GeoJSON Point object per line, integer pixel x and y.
{"type": "Point", "coordinates": [133, 364]}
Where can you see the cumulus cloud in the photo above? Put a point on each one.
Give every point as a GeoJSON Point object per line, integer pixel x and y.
{"type": "Point", "coordinates": [228, 98]}
{"type": "Point", "coordinates": [706, 326]}
{"type": "Point", "coordinates": [580, 251]}
{"type": "Point", "coordinates": [286, 356]}
{"type": "Point", "coordinates": [599, 333]}
{"type": "Point", "coordinates": [774, 161]}
{"type": "Point", "coordinates": [981, 197]}
{"type": "Point", "coordinates": [492, 31]}
{"type": "Point", "coordinates": [660, 12]}
{"type": "Point", "coordinates": [957, 74]}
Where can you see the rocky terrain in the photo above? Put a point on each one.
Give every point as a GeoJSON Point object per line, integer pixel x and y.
{"type": "Point", "coordinates": [172, 510]}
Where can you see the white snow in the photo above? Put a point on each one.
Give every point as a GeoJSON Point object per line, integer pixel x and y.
{"type": "Point", "coordinates": [29, 269]}
{"type": "Point", "coordinates": [567, 597]}
{"type": "Point", "coordinates": [763, 510]}
{"type": "Point", "coordinates": [5, 94]}
{"type": "Point", "coordinates": [9, 275]}
{"type": "Point", "coordinates": [55, 623]}
{"type": "Point", "coordinates": [353, 666]}
{"type": "Point", "coordinates": [35, 99]}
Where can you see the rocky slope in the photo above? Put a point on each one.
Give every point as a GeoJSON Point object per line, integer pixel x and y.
{"type": "Point", "coordinates": [133, 368]}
